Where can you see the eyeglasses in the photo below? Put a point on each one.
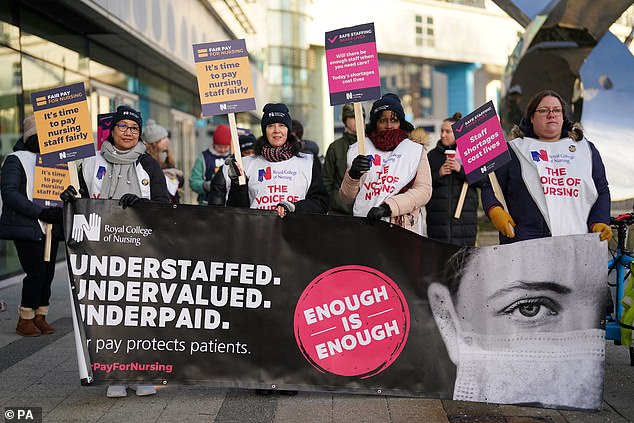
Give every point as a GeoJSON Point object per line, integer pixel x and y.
{"type": "Point", "coordinates": [544, 111]}
{"type": "Point", "coordinates": [134, 130]}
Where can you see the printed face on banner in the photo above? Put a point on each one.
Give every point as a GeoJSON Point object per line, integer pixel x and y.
{"type": "Point", "coordinates": [515, 319]}
{"type": "Point", "coordinates": [538, 290]}
{"type": "Point", "coordinates": [352, 321]}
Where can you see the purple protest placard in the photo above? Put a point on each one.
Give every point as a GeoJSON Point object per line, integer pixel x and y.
{"type": "Point", "coordinates": [353, 65]}
{"type": "Point", "coordinates": [481, 144]}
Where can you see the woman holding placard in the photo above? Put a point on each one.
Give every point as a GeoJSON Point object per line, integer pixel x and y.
{"type": "Point", "coordinates": [555, 183]}
{"type": "Point", "coordinates": [448, 179]}
{"type": "Point", "coordinates": [24, 222]}
{"type": "Point", "coordinates": [391, 181]}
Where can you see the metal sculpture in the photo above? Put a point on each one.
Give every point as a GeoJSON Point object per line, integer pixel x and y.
{"type": "Point", "coordinates": [567, 47]}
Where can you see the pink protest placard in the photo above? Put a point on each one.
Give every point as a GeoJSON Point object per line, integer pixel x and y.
{"type": "Point", "coordinates": [353, 65]}
{"type": "Point", "coordinates": [104, 121]}
{"type": "Point", "coordinates": [481, 144]}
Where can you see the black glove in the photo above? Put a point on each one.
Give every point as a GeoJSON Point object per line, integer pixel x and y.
{"type": "Point", "coordinates": [51, 215]}
{"type": "Point", "coordinates": [377, 213]}
{"type": "Point", "coordinates": [69, 195]}
{"type": "Point", "coordinates": [232, 168]}
{"type": "Point", "coordinates": [360, 165]}
{"type": "Point", "coordinates": [129, 200]}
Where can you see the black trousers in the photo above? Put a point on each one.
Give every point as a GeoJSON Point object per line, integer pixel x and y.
{"type": "Point", "coordinates": [36, 285]}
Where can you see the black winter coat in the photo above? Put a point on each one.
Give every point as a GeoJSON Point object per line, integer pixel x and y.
{"type": "Point", "coordinates": [19, 214]}
{"type": "Point", "coordinates": [441, 224]}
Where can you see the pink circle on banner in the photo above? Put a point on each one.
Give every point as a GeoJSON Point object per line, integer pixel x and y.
{"type": "Point", "coordinates": [351, 321]}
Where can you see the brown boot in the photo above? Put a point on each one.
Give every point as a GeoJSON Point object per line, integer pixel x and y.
{"type": "Point", "coordinates": [40, 321]}
{"type": "Point", "coordinates": [26, 325]}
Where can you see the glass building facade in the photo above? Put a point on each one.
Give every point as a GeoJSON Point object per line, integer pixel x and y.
{"type": "Point", "coordinates": [38, 53]}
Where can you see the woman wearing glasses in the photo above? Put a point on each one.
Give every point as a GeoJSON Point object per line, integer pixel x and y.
{"type": "Point", "coordinates": [392, 181]}
{"type": "Point", "coordinates": [122, 170]}
{"type": "Point", "coordinates": [555, 183]}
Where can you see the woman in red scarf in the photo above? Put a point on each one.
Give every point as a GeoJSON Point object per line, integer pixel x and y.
{"type": "Point", "coordinates": [279, 176]}
{"type": "Point", "coordinates": [392, 181]}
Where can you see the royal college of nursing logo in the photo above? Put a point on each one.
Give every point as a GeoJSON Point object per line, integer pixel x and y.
{"type": "Point", "coordinates": [541, 155]}
{"type": "Point", "coordinates": [90, 227]}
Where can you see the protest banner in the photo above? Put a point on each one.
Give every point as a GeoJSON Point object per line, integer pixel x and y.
{"type": "Point", "coordinates": [64, 133]}
{"type": "Point", "coordinates": [224, 84]}
{"type": "Point", "coordinates": [352, 64]}
{"type": "Point", "coordinates": [257, 304]}
{"type": "Point", "coordinates": [481, 149]}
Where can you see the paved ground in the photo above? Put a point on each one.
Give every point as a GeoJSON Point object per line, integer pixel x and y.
{"type": "Point", "coordinates": [42, 372]}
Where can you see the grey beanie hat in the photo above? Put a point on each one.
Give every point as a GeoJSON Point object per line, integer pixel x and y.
{"type": "Point", "coordinates": [153, 132]}
{"type": "Point", "coordinates": [29, 127]}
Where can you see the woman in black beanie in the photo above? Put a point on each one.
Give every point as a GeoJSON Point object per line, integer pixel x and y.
{"type": "Point", "coordinates": [279, 176]}
{"type": "Point", "coordinates": [392, 180]}
{"type": "Point", "coordinates": [122, 171]}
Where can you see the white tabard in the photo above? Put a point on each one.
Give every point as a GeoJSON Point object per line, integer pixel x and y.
{"type": "Point", "coordinates": [558, 176]}
{"type": "Point", "coordinates": [273, 182]}
{"type": "Point", "coordinates": [391, 171]}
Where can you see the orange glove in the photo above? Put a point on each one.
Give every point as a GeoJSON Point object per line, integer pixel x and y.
{"type": "Point", "coordinates": [503, 221]}
{"type": "Point", "coordinates": [604, 230]}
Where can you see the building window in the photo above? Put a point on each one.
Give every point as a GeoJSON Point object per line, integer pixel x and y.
{"type": "Point", "coordinates": [424, 27]}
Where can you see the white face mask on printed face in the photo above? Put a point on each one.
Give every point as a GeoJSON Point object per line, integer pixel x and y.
{"type": "Point", "coordinates": [563, 369]}
{"type": "Point", "coordinates": [549, 369]}
{"type": "Point", "coordinates": [162, 156]}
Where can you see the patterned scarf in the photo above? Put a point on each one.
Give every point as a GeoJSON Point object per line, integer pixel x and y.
{"type": "Point", "coordinates": [277, 154]}
{"type": "Point", "coordinates": [387, 140]}
{"type": "Point", "coordinates": [121, 175]}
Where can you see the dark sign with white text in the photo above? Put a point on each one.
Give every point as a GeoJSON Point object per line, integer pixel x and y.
{"type": "Point", "coordinates": [242, 298]}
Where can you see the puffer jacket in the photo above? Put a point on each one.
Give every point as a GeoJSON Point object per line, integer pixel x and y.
{"type": "Point", "coordinates": [441, 208]}
{"type": "Point", "coordinates": [19, 213]}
